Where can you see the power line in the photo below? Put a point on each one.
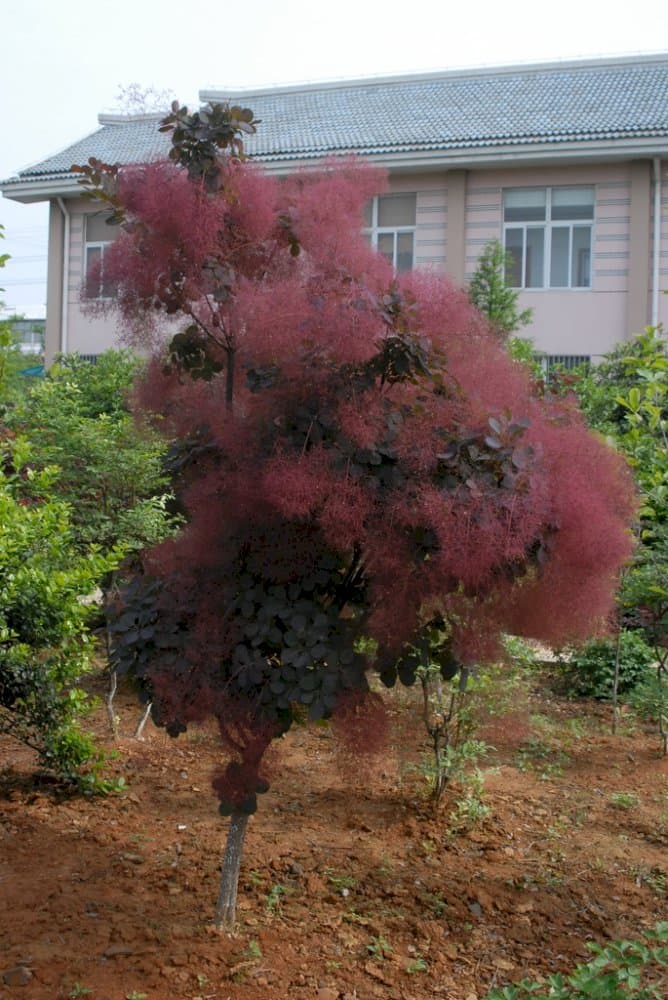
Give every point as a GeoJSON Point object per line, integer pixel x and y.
{"type": "Point", "coordinates": [22, 281]}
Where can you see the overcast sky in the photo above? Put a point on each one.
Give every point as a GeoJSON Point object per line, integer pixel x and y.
{"type": "Point", "coordinates": [63, 61]}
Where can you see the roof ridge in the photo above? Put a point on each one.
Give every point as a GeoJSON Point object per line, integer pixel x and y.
{"type": "Point", "coordinates": [120, 118]}
{"type": "Point", "coordinates": [462, 72]}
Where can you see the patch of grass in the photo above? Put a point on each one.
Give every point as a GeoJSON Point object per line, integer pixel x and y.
{"type": "Point", "coordinates": [539, 756]}
{"type": "Point", "coordinates": [624, 800]}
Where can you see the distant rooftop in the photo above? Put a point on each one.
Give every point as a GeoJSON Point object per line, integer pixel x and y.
{"type": "Point", "coordinates": [592, 101]}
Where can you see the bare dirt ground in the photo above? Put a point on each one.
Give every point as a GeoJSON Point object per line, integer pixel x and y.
{"type": "Point", "coordinates": [351, 887]}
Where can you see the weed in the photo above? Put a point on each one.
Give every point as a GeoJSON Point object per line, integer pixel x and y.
{"type": "Point", "coordinates": [557, 828]}
{"type": "Point", "coordinates": [253, 949]}
{"type": "Point", "coordinates": [655, 878]}
{"type": "Point", "coordinates": [79, 991]}
{"type": "Point", "coordinates": [386, 867]}
{"type": "Point", "coordinates": [470, 809]}
{"type": "Point", "coordinates": [202, 980]}
{"type": "Point", "coordinates": [435, 902]}
{"type": "Point", "coordinates": [624, 800]}
{"type": "Point", "coordinates": [274, 897]}
{"type": "Point", "coordinates": [136, 995]}
{"type": "Point", "coordinates": [379, 948]}
{"type": "Point", "coordinates": [340, 882]}
{"type": "Point", "coordinates": [418, 964]}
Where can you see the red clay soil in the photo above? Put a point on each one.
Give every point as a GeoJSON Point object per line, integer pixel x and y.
{"type": "Point", "coordinates": [351, 887]}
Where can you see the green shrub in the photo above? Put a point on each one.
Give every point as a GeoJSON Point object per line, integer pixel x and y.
{"type": "Point", "coordinates": [43, 637]}
{"type": "Point", "coordinates": [624, 970]}
{"type": "Point", "coordinates": [591, 669]}
{"type": "Point", "coordinates": [110, 470]}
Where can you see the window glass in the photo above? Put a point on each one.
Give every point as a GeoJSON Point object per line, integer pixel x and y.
{"type": "Point", "coordinates": [581, 267]}
{"type": "Point", "coordinates": [396, 210]}
{"type": "Point", "coordinates": [559, 257]}
{"type": "Point", "coordinates": [573, 203]}
{"type": "Point", "coordinates": [525, 205]}
{"type": "Point", "coordinates": [404, 251]}
{"type": "Point", "coordinates": [93, 267]}
{"type": "Point", "coordinates": [97, 230]}
{"type": "Point", "coordinates": [368, 214]}
{"type": "Point", "coordinates": [514, 247]}
{"type": "Point", "coordinates": [535, 258]}
{"type": "Point", "coordinates": [386, 245]}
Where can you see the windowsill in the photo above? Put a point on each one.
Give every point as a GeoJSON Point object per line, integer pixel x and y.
{"type": "Point", "coordinates": [542, 291]}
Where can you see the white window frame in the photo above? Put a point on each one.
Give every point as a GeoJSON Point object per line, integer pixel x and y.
{"type": "Point", "coordinates": [374, 231]}
{"type": "Point", "coordinates": [547, 226]}
{"type": "Point", "coordinates": [100, 245]}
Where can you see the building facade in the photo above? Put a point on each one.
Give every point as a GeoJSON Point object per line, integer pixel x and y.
{"type": "Point", "coordinates": [564, 163]}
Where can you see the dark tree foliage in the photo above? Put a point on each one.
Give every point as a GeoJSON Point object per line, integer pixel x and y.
{"type": "Point", "coordinates": [356, 456]}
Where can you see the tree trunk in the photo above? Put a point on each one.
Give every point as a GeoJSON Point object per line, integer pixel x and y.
{"type": "Point", "coordinates": [226, 907]}
{"type": "Point", "coordinates": [139, 731]}
{"type": "Point", "coordinates": [229, 378]}
{"type": "Point", "coordinates": [109, 703]}
{"type": "Point", "coordinates": [615, 684]}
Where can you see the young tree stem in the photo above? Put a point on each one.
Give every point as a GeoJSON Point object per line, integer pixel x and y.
{"type": "Point", "coordinates": [226, 907]}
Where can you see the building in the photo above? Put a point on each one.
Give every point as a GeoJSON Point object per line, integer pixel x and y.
{"type": "Point", "coordinates": [564, 162]}
{"type": "Point", "coordinates": [29, 334]}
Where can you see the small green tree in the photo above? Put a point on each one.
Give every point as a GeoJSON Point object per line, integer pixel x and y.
{"type": "Point", "coordinates": [109, 467]}
{"type": "Point", "coordinates": [489, 292]}
{"type": "Point", "coordinates": [10, 356]}
{"type": "Point", "coordinates": [4, 257]}
{"type": "Point", "coordinates": [626, 398]}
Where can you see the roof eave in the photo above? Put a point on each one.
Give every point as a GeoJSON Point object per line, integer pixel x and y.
{"type": "Point", "coordinates": [40, 189]}
{"type": "Point", "coordinates": [467, 157]}
{"type": "Point", "coordinates": [461, 158]}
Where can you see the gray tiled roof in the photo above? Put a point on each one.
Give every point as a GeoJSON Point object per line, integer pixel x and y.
{"type": "Point", "coordinates": [590, 101]}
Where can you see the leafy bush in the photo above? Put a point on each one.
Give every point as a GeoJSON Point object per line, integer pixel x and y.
{"type": "Point", "coordinates": [590, 673]}
{"type": "Point", "coordinates": [650, 700]}
{"type": "Point", "coordinates": [616, 972]}
{"type": "Point", "coordinates": [110, 469]}
{"type": "Point", "coordinates": [43, 637]}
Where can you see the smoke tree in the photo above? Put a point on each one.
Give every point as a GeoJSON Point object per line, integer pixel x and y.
{"type": "Point", "coordinates": [357, 456]}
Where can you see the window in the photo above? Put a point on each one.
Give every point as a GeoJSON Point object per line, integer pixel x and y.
{"type": "Point", "coordinates": [565, 362]}
{"type": "Point", "coordinates": [547, 233]}
{"type": "Point", "coordinates": [98, 237]}
{"type": "Point", "coordinates": [390, 226]}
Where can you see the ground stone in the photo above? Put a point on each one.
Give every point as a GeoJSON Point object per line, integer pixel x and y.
{"type": "Point", "coordinates": [18, 976]}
